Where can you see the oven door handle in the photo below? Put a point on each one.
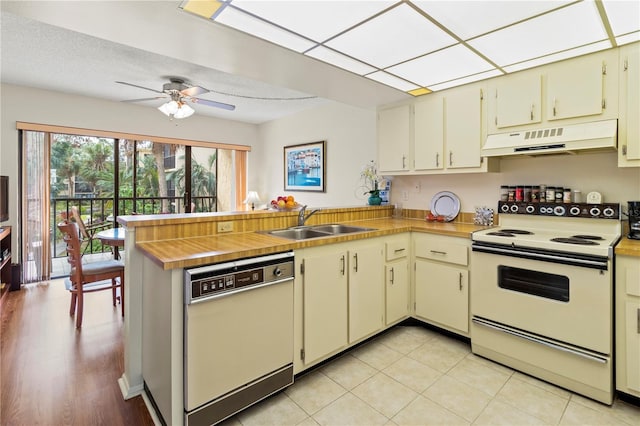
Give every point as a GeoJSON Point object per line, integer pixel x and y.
{"type": "Point", "coordinates": [500, 328]}
{"type": "Point", "coordinates": [566, 260]}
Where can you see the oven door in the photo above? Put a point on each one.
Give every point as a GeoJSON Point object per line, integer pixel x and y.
{"type": "Point", "coordinates": [567, 303]}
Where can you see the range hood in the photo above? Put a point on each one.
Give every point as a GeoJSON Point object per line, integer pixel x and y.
{"type": "Point", "coordinates": [568, 139]}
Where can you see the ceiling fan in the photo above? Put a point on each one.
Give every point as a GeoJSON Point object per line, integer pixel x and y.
{"type": "Point", "coordinates": [179, 92]}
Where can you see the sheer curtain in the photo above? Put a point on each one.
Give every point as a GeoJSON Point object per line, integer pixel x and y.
{"type": "Point", "coordinates": [35, 217]}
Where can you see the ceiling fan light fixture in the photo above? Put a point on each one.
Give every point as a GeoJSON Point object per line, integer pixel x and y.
{"type": "Point", "coordinates": [184, 111]}
{"type": "Point", "coordinates": [169, 108]}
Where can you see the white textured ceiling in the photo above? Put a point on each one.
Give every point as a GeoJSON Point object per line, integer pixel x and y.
{"type": "Point", "coordinates": [85, 47]}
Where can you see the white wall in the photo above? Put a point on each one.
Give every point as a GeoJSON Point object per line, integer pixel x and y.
{"type": "Point", "coordinates": [586, 172]}
{"type": "Point", "coordinates": [350, 133]}
{"type": "Point", "coordinates": [46, 107]}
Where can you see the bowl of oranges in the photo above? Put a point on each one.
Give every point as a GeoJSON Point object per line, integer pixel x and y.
{"type": "Point", "coordinates": [284, 203]}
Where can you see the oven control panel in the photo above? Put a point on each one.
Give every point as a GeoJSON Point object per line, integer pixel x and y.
{"type": "Point", "coordinates": [592, 211]}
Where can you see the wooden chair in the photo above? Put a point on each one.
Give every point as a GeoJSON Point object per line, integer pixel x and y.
{"type": "Point", "coordinates": [89, 277]}
{"type": "Point", "coordinates": [87, 232]}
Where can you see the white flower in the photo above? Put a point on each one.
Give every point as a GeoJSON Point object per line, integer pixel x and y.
{"type": "Point", "coordinates": [370, 177]}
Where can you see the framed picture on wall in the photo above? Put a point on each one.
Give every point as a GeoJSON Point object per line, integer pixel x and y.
{"type": "Point", "coordinates": [305, 167]}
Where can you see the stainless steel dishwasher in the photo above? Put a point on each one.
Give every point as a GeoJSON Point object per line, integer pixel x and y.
{"type": "Point", "coordinates": [238, 335]}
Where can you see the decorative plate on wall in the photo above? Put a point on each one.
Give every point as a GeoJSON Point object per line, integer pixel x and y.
{"type": "Point", "coordinates": [445, 204]}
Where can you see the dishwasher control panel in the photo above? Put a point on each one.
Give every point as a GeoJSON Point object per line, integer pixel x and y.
{"type": "Point", "coordinates": [208, 281]}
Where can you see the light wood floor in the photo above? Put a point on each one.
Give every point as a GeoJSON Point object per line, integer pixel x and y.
{"type": "Point", "coordinates": [53, 374]}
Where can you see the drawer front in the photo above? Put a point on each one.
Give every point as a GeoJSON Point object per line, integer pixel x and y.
{"type": "Point", "coordinates": [441, 249]}
{"type": "Point", "coordinates": [396, 249]}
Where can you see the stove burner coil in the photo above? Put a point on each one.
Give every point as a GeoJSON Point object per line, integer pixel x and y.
{"type": "Point", "coordinates": [516, 231]}
{"type": "Point", "coordinates": [588, 237]}
{"type": "Point", "coordinates": [501, 234]}
{"type": "Point", "coordinates": [573, 240]}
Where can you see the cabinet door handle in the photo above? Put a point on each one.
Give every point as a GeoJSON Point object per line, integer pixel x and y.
{"type": "Point", "coordinates": [437, 159]}
{"type": "Point", "coordinates": [451, 158]}
{"type": "Point", "coordinates": [398, 250]}
{"type": "Point", "coordinates": [460, 281]}
{"type": "Point", "coordinates": [404, 162]}
{"type": "Point", "coordinates": [444, 253]}
{"type": "Point", "coordinates": [393, 276]}
{"type": "Point", "coordinates": [532, 107]}
{"type": "Point", "coordinates": [638, 320]}
{"type": "Point", "coordinates": [342, 269]}
{"type": "Point", "coordinates": [554, 107]}
{"type": "Point", "coordinates": [355, 262]}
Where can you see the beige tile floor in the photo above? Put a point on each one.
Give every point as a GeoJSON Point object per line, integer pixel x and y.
{"type": "Point", "coordinates": [412, 375]}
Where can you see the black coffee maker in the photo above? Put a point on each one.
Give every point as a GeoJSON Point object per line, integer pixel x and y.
{"type": "Point", "coordinates": [634, 219]}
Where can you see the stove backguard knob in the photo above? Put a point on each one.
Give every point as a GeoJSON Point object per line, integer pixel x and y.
{"type": "Point", "coordinates": [530, 209]}
{"type": "Point", "coordinates": [574, 211]}
{"type": "Point", "coordinates": [559, 211]}
{"type": "Point", "coordinates": [608, 212]}
{"type": "Point", "coordinates": [514, 208]}
{"type": "Point", "coordinates": [595, 211]}
{"type": "Point", "coordinates": [504, 208]}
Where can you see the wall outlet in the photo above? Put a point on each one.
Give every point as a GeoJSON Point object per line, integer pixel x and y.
{"type": "Point", "coordinates": [225, 227]}
{"type": "Point", "coordinates": [417, 187]}
{"type": "Point", "coordinates": [405, 196]}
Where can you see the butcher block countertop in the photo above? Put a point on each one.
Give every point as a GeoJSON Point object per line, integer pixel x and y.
{"type": "Point", "coordinates": [628, 247]}
{"type": "Point", "coordinates": [181, 251]}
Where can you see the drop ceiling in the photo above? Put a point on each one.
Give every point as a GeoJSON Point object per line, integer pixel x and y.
{"type": "Point", "coordinates": [423, 46]}
{"type": "Point", "coordinates": [304, 53]}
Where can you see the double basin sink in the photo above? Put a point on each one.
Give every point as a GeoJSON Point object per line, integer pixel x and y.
{"type": "Point", "coordinates": [317, 231]}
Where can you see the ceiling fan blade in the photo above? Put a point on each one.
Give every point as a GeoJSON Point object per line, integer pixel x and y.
{"type": "Point", "coordinates": [212, 103]}
{"type": "Point", "coordinates": [144, 99]}
{"type": "Point", "coordinates": [194, 91]}
{"type": "Point", "coordinates": [139, 87]}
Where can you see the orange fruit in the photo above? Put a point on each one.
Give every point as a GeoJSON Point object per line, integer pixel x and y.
{"type": "Point", "coordinates": [290, 198]}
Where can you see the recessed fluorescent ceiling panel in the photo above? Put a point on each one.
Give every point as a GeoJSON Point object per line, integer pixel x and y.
{"type": "Point", "coordinates": [624, 17]}
{"type": "Point", "coordinates": [332, 57]}
{"type": "Point", "coordinates": [447, 64]}
{"type": "Point", "coordinates": [412, 44]}
{"type": "Point", "coordinates": [258, 28]}
{"type": "Point", "coordinates": [315, 19]}
{"type": "Point", "coordinates": [397, 35]}
{"type": "Point", "coordinates": [390, 80]}
{"type": "Point", "coordinates": [473, 18]}
{"type": "Point", "coordinates": [575, 25]}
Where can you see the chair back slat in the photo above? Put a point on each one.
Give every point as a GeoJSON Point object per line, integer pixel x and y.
{"type": "Point", "coordinates": [75, 214]}
{"type": "Point", "coordinates": [70, 232]}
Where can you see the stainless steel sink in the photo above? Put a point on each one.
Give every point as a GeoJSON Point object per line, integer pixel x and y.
{"type": "Point", "coordinates": [297, 233]}
{"type": "Point", "coordinates": [316, 231]}
{"type": "Point", "coordinates": [337, 228]}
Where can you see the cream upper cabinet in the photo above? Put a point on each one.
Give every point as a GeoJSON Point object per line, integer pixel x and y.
{"type": "Point", "coordinates": [463, 130]}
{"type": "Point", "coordinates": [449, 129]}
{"type": "Point", "coordinates": [627, 308]}
{"type": "Point", "coordinates": [516, 100]}
{"type": "Point", "coordinates": [628, 123]}
{"type": "Point", "coordinates": [429, 133]}
{"type": "Point", "coordinates": [576, 88]}
{"type": "Point", "coordinates": [394, 138]}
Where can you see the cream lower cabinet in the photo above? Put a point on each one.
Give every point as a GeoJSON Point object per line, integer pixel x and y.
{"type": "Point", "coordinates": [397, 279]}
{"type": "Point", "coordinates": [628, 325]}
{"type": "Point", "coordinates": [339, 298]}
{"type": "Point", "coordinates": [441, 281]}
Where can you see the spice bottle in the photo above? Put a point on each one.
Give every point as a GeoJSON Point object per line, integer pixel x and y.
{"type": "Point", "coordinates": [551, 194]}
{"type": "Point", "coordinates": [504, 193]}
{"type": "Point", "coordinates": [527, 194]}
{"type": "Point", "coordinates": [520, 193]}
{"type": "Point", "coordinates": [566, 196]}
{"type": "Point", "coordinates": [535, 194]}
{"type": "Point", "coordinates": [511, 194]}
{"type": "Point", "coordinates": [559, 194]}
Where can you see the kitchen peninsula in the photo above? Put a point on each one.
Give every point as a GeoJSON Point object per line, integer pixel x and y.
{"type": "Point", "coordinates": [159, 247]}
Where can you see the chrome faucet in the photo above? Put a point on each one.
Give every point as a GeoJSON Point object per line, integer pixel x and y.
{"type": "Point", "coordinates": [301, 216]}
